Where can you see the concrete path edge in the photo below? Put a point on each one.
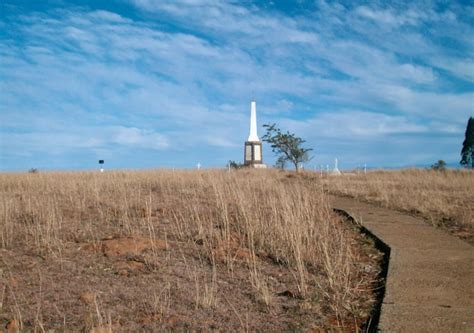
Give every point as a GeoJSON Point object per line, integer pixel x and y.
{"type": "Point", "coordinates": [371, 326]}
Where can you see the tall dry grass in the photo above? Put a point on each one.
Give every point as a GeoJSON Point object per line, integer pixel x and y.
{"type": "Point", "coordinates": [442, 197]}
{"type": "Point", "coordinates": [287, 220]}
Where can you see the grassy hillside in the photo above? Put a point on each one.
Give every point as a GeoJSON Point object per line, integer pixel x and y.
{"type": "Point", "coordinates": [197, 250]}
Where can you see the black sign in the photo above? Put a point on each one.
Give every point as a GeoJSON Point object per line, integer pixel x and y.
{"type": "Point", "coordinates": [101, 161]}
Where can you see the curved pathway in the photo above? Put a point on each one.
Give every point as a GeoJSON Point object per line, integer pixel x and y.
{"type": "Point", "coordinates": [430, 281]}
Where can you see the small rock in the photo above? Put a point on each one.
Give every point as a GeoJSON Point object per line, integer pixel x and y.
{"type": "Point", "coordinates": [172, 321]}
{"type": "Point", "coordinates": [231, 249]}
{"type": "Point", "coordinates": [13, 326]}
{"type": "Point", "coordinates": [130, 246]}
{"type": "Point", "coordinates": [123, 272]}
{"type": "Point", "coordinates": [88, 297]}
{"type": "Point", "coordinates": [13, 282]}
{"type": "Point", "coordinates": [125, 268]}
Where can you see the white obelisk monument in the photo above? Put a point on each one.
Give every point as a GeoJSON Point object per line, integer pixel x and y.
{"type": "Point", "coordinates": [253, 145]}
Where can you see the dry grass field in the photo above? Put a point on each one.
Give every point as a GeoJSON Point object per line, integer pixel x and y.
{"type": "Point", "coordinates": [443, 198]}
{"type": "Point", "coordinates": [245, 250]}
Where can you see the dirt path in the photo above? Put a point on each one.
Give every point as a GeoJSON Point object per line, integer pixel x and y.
{"type": "Point", "coordinates": [430, 281]}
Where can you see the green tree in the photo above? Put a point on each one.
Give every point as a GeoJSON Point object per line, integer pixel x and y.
{"type": "Point", "coordinates": [467, 152]}
{"type": "Point", "coordinates": [439, 166]}
{"type": "Point", "coordinates": [287, 146]}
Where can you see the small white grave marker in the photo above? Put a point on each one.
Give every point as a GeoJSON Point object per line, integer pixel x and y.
{"type": "Point", "coordinates": [336, 169]}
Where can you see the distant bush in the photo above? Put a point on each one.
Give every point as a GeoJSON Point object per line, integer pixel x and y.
{"type": "Point", "coordinates": [439, 166]}
{"type": "Point", "coordinates": [33, 170]}
{"type": "Point", "coordinates": [235, 165]}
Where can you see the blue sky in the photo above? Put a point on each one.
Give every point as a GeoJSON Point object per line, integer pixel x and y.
{"type": "Point", "coordinates": [144, 83]}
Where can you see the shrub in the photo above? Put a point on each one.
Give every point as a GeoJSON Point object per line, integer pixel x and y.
{"type": "Point", "coordinates": [439, 166]}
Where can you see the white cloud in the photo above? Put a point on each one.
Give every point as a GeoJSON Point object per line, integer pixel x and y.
{"type": "Point", "coordinates": [86, 138]}
{"type": "Point", "coordinates": [355, 124]}
{"type": "Point", "coordinates": [462, 68]}
{"type": "Point", "coordinates": [389, 16]}
{"type": "Point", "coordinates": [136, 137]}
{"type": "Point", "coordinates": [150, 86]}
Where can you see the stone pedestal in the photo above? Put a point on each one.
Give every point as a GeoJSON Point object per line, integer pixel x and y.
{"type": "Point", "coordinates": [253, 154]}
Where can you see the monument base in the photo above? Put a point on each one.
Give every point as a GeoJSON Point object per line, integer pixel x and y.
{"type": "Point", "coordinates": [253, 153]}
{"type": "Point", "coordinates": [258, 166]}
